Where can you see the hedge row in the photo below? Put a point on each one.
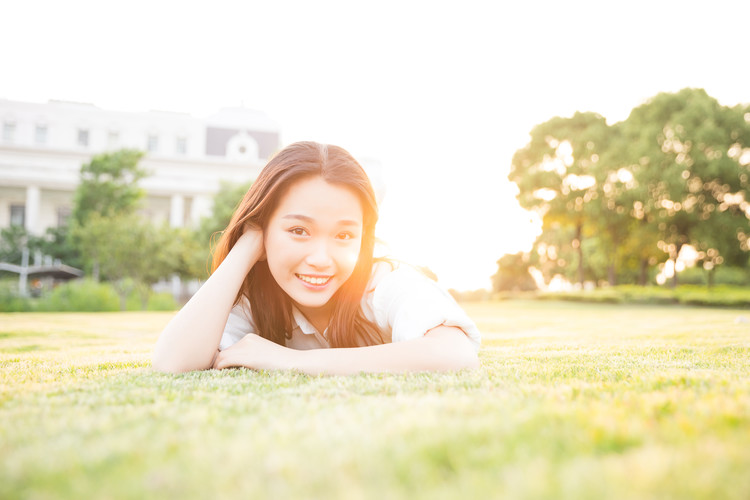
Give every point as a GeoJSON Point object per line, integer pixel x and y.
{"type": "Point", "coordinates": [718, 296]}
{"type": "Point", "coordinates": [80, 296]}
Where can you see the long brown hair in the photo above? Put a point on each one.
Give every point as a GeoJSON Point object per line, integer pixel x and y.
{"type": "Point", "coordinates": [271, 307]}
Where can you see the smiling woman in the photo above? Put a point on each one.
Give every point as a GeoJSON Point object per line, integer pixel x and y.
{"type": "Point", "coordinates": [294, 275]}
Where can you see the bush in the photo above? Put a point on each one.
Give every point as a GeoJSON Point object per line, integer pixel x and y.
{"type": "Point", "coordinates": [162, 302]}
{"type": "Point", "coordinates": [81, 295]}
{"type": "Point", "coordinates": [718, 296]}
{"type": "Point", "coordinates": [723, 275]}
{"type": "Point", "coordinates": [10, 301]}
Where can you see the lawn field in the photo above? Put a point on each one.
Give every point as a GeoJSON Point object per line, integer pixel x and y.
{"type": "Point", "coordinates": [573, 401]}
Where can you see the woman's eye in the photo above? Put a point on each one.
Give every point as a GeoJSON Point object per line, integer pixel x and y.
{"type": "Point", "coordinates": [298, 231]}
{"type": "Point", "coordinates": [345, 236]}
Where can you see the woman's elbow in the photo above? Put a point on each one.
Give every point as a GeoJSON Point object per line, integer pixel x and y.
{"type": "Point", "coordinates": [464, 357]}
{"type": "Point", "coordinates": [456, 351]}
{"type": "Point", "coordinates": [165, 363]}
{"type": "Point", "coordinates": [162, 364]}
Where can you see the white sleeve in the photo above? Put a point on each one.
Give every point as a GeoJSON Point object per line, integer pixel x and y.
{"type": "Point", "coordinates": [409, 304]}
{"type": "Point", "coordinates": [239, 324]}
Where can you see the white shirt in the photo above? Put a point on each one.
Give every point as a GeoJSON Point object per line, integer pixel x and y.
{"type": "Point", "coordinates": [402, 302]}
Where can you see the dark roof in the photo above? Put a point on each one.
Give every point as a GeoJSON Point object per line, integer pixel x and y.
{"type": "Point", "coordinates": [59, 271]}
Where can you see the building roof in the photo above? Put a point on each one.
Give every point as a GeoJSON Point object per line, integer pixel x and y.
{"type": "Point", "coordinates": [242, 118]}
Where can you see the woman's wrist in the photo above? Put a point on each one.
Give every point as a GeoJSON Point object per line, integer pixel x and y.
{"type": "Point", "coordinates": [250, 248]}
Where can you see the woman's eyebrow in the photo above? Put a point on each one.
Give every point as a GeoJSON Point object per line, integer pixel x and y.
{"type": "Point", "coordinates": [299, 217]}
{"type": "Point", "coordinates": [310, 220]}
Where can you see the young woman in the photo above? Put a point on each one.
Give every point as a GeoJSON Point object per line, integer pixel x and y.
{"type": "Point", "coordinates": [294, 276]}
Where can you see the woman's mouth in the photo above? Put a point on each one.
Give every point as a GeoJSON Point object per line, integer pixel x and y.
{"type": "Point", "coordinates": [315, 281]}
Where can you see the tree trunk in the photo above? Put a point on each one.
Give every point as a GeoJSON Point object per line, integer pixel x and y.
{"type": "Point", "coordinates": [95, 270]}
{"type": "Point", "coordinates": [674, 258]}
{"type": "Point", "coordinates": [144, 292]}
{"type": "Point", "coordinates": [579, 237]}
{"type": "Point", "coordinates": [711, 277]}
{"type": "Point", "coordinates": [643, 278]}
{"type": "Point", "coordinates": [611, 275]}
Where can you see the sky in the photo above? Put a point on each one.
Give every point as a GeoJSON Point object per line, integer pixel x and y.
{"type": "Point", "coordinates": [438, 94]}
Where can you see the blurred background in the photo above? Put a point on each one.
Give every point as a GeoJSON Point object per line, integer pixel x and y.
{"type": "Point", "coordinates": [583, 143]}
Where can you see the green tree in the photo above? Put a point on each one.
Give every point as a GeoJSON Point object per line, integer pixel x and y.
{"type": "Point", "coordinates": [209, 229]}
{"type": "Point", "coordinates": [138, 253]}
{"type": "Point", "coordinates": [687, 154]}
{"type": "Point", "coordinates": [108, 187]}
{"type": "Point", "coordinates": [559, 176]}
{"type": "Point", "coordinates": [190, 254]}
{"type": "Point", "coordinates": [56, 243]}
{"type": "Point", "coordinates": [224, 204]}
{"type": "Point", "coordinates": [513, 274]}
{"type": "Point", "coordinates": [13, 240]}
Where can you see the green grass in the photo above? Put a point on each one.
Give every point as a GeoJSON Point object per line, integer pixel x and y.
{"type": "Point", "coordinates": [573, 401]}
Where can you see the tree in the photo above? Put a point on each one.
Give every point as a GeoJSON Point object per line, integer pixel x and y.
{"type": "Point", "coordinates": [108, 188]}
{"type": "Point", "coordinates": [688, 156]}
{"type": "Point", "coordinates": [618, 200]}
{"type": "Point", "coordinates": [138, 254]}
{"type": "Point", "coordinates": [558, 175]}
{"type": "Point", "coordinates": [56, 243]}
{"type": "Point", "coordinates": [210, 228]}
{"type": "Point", "coordinates": [109, 185]}
{"type": "Point", "coordinates": [225, 203]}
{"type": "Point", "coordinates": [513, 274]}
{"type": "Point", "coordinates": [13, 240]}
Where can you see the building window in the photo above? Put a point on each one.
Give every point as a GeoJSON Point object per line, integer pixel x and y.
{"type": "Point", "coordinates": [18, 215]}
{"type": "Point", "coordinates": [9, 131]}
{"type": "Point", "coordinates": [83, 137]}
{"type": "Point", "coordinates": [153, 143]}
{"type": "Point", "coordinates": [113, 139]}
{"type": "Point", "coordinates": [40, 134]}
{"type": "Point", "coordinates": [181, 145]}
{"type": "Point", "coordinates": [63, 216]}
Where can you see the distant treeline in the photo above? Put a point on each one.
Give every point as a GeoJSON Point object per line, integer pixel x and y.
{"type": "Point", "coordinates": [618, 202]}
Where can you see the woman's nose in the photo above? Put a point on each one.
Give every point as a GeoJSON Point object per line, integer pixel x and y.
{"type": "Point", "coordinates": [319, 255]}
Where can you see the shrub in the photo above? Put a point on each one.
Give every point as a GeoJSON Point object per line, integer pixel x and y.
{"type": "Point", "coordinates": [162, 302]}
{"type": "Point", "coordinates": [81, 295]}
{"type": "Point", "coordinates": [10, 301]}
{"type": "Point", "coordinates": [723, 275]}
{"type": "Point", "coordinates": [718, 296]}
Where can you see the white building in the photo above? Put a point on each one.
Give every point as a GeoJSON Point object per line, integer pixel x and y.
{"type": "Point", "coordinates": [42, 148]}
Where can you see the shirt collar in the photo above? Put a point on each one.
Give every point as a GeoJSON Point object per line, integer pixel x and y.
{"type": "Point", "coordinates": [305, 326]}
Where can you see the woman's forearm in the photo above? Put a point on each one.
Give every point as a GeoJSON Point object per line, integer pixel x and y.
{"type": "Point", "coordinates": [191, 339]}
{"type": "Point", "coordinates": [441, 349]}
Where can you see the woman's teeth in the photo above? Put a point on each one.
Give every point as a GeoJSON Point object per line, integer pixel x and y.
{"type": "Point", "coordinates": [314, 280]}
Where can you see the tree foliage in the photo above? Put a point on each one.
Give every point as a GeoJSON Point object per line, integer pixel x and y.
{"type": "Point", "coordinates": [133, 253]}
{"type": "Point", "coordinates": [224, 204]}
{"type": "Point", "coordinates": [687, 156]}
{"type": "Point", "coordinates": [210, 227]}
{"type": "Point", "coordinates": [513, 274]}
{"type": "Point", "coordinates": [617, 200]}
{"type": "Point", "coordinates": [109, 185]}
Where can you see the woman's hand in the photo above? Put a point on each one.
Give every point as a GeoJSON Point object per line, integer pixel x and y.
{"type": "Point", "coordinates": [255, 352]}
{"type": "Point", "coordinates": [251, 241]}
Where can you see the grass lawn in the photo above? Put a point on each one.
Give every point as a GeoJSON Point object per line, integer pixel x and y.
{"type": "Point", "coordinates": [572, 401]}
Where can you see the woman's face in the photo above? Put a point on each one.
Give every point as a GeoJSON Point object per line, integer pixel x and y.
{"type": "Point", "coordinates": [313, 240]}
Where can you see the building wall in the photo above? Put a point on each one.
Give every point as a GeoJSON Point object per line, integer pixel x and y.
{"type": "Point", "coordinates": [42, 148]}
